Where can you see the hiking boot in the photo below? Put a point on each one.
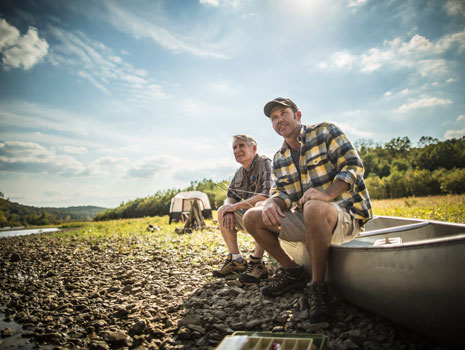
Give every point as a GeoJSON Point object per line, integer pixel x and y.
{"type": "Point", "coordinates": [255, 271]}
{"type": "Point", "coordinates": [318, 302]}
{"type": "Point", "coordinates": [230, 266]}
{"type": "Point", "coordinates": [286, 279]}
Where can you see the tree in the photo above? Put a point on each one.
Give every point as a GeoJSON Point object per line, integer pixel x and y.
{"type": "Point", "coordinates": [398, 146]}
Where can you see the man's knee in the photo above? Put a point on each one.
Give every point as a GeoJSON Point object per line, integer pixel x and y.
{"type": "Point", "coordinates": [252, 217]}
{"type": "Point", "coordinates": [316, 211]}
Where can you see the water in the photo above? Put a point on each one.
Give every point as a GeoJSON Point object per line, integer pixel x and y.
{"type": "Point", "coordinates": [18, 341]}
{"type": "Point", "coordinates": [13, 233]}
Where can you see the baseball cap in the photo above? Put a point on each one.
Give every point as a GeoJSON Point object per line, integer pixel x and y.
{"type": "Point", "coordinates": [287, 102]}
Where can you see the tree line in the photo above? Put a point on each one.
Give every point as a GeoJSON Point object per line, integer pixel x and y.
{"type": "Point", "coordinates": [392, 170]}
{"type": "Point", "coordinates": [159, 203]}
{"type": "Point", "coordinates": [397, 169]}
{"type": "Point", "coordinates": [14, 214]}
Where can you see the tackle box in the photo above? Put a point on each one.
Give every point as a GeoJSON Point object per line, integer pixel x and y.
{"type": "Point", "coordinates": [272, 341]}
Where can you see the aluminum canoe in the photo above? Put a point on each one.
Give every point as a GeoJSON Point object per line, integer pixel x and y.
{"type": "Point", "coordinates": [409, 271]}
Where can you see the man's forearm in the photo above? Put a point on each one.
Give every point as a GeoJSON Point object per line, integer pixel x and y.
{"type": "Point", "coordinates": [250, 202]}
{"type": "Point", "coordinates": [337, 188]}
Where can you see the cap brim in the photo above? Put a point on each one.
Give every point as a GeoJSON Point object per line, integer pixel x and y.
{"type": "Point", "coordinates": [269, 106]}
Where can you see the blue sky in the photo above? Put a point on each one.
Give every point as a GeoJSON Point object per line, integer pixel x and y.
{"type": "Point", "coordinates": [106, 101]}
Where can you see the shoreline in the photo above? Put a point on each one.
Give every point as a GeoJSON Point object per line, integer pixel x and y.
{"type": "Point", "coordinates": [130, 293]}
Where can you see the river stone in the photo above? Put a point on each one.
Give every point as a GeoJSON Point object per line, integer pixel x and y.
{"type": "Point", "coordinates": [190, 319]}
{"type": "Point", "coordinates": [117, 338]}
{"type": "Point", "coordinates": [184, 333]}
{"type": "Point", "coordinates": [7, 332]}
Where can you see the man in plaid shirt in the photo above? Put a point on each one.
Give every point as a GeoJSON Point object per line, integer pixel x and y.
{"type": "Point", "coordinates": [318, 197]}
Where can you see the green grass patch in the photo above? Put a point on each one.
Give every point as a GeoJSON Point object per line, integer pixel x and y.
{"type": "Point", "coordinates": [441, 208]}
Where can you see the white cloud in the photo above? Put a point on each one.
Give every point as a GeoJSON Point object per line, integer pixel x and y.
{"type": "Point", "coordinates": [8, 34]}
{"type": "Point", "coordinates": [388, 93]}
{"type": "Point", "coordinates": [461, 117]}
{"type": "Point", "coordinates": [214, 3]}
{"type": "Point", "coordinates": [455, 7]}
{"type": "Point", "coordinates": [142, 27]}
{"type": "Point", "coordinates": [20, 50]}
{"type": "Point", "coordinates": [423, 103]}
{"type": "Point", "coordinates": [417, 53]}
{"type": "Point", "coordinates": [96, 63]}
{"type": "Point", "coordinates": [350, 128]}
{"type": "Point", "coordinates": [73, 149]}
{"type": "Point", "coordinates": [454, 134]}
{"type": "Point", "coordinates": [29, 157]}
{"type": "Point", "coordinates": [149, 167]}
{"type": "Point", "coordinates": [356, 3]}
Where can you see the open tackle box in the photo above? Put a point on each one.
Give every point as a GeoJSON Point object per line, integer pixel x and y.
{"type": "Point", "coordinates": [272, 341]}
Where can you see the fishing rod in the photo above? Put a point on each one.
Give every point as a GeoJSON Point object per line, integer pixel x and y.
{"type": "Point", "coordinates": [296, 205]}
{"type": "Point", "coordinates": [235, 191]}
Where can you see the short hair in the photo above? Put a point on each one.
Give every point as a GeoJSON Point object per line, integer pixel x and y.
{"type": "Point", "coordinates": [249, 139]}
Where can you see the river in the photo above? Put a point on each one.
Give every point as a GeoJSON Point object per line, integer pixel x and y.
{"type": "Point", "coordinates": [22, 232]}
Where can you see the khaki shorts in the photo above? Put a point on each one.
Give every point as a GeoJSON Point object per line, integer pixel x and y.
{"type": "Point", "coordinates": [239, 216]}
{"type": "Point", "coordinates": [293, 227]}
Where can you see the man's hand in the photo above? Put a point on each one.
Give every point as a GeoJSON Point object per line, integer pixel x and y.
{"type": "Point", "coordinates": [226, 216]}
{"type": "Point", "coordinates": [228, 208]}
{"type": "Point", "coordinates": [313, 193]}
{"type": "Point", "coordinates": [272, 213]}
{"type": "Point", "coordinates": [229, 221]}
{"type": "Point", "coordinates": [328, 195]}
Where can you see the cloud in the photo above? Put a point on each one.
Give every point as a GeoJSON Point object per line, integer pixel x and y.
{"type": "Point", "coordinates": [454, 134]}
{"type": "Point", "coordinates": [96, 63]}
{"type": "Point", "coordinates": [20, 50]}
{"type": "Point", "coordinates": [357, 3]}
{"type": "Point", "coordinates": [29, 157]}
{"type": "Point", "coordinates": [214, 3]}
{"type": "Point", "coordinates": [461, 117]}
{"type": "Point", "coordinates": [74, 149]}
{"type": "Point", "coordinates": [417, 53]}
{"type": "Point", "coordinates": [148, 167]}
{"type": "Point", "coordinates": [129, 22]}
{"type": "Point", "coordinates": [455, 7]}
{"type": "Point", "coordinates": [423, 103]}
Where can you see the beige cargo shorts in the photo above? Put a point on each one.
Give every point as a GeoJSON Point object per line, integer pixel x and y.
{"type": "Point", "coordinates": [293, 227]}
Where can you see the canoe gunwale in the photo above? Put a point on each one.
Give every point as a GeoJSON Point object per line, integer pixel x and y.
{"type": "Point", "coordinates": [424, 243]}
{"type": "Point", "coordinates": [394, 229]}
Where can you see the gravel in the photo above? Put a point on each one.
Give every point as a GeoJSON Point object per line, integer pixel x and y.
{"type": "Point", "coordinates": [75, 294]}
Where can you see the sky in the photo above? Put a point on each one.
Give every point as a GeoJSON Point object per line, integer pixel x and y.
{"type": "Point", "coordinates": [103, 102]}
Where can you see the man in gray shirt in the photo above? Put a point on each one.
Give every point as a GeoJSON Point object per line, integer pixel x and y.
{"type": "Point", "coordinates": [250, 186]}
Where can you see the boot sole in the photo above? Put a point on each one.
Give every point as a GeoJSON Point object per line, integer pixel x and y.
{"type": "Point", "coordinates": [220, 275]}
{"type": "Point", "coordinates": [300, 285]}
{"type": "Point", "coordinates": [252, 280]}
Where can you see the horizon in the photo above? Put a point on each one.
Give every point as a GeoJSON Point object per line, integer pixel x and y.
{"type": "Point", "coordinates": [103, 102]}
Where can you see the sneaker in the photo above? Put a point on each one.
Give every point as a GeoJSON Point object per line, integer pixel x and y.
{"type": "Point", "coordinates": [230, 266]}
{"type": "Point", "coordinates": [254, 272]}
{"type": "Point", "coordinates": [286, 279]}
{"type": "Point", "coordinates": [318, 302]}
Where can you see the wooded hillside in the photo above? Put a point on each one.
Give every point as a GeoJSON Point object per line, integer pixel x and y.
{"type": "Point", "coordinates": [14, 214]}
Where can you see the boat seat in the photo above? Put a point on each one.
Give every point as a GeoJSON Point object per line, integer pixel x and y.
{"type": "Point", "coordinates": [394, 229]}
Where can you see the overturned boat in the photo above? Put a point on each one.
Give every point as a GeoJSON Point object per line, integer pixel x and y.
{"type": "Point", "coordinates": [409, 271]}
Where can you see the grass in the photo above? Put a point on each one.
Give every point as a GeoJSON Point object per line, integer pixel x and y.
{"type": "Point", "coordinates": [130, 236]}
{"type": "Point", "coordinates": [441, 208]}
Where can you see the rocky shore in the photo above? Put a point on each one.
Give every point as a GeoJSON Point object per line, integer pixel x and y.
{"type": "Point", "coordinates": [72, 293]}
